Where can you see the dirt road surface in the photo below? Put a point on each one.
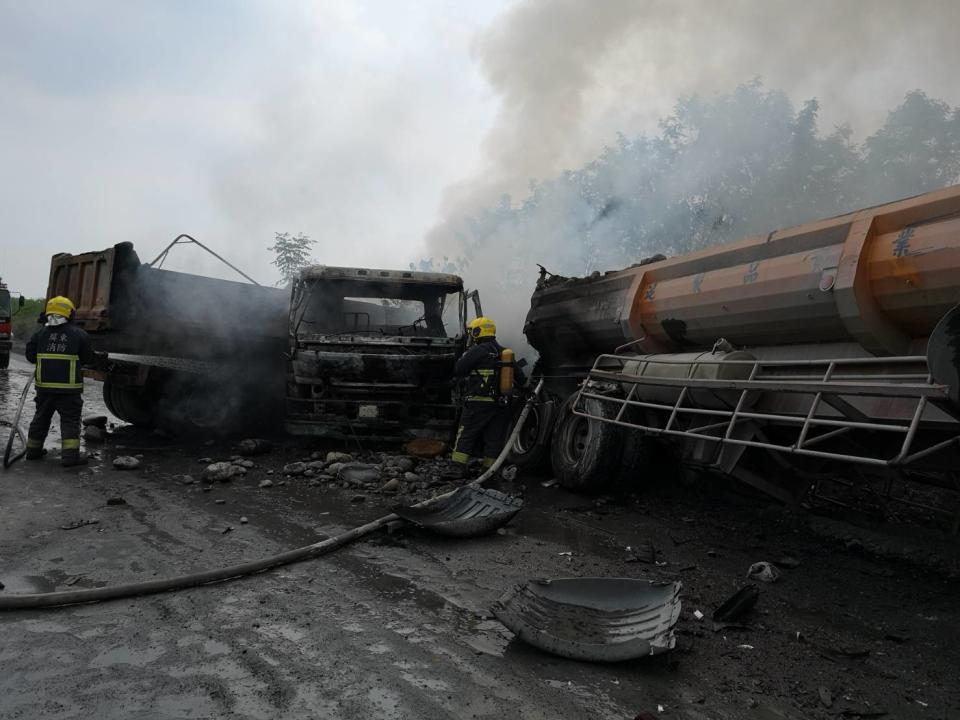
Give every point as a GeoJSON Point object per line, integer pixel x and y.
{"type": "Point", "coordinates": [398, 626]}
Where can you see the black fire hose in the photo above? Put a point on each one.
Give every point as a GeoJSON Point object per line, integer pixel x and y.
{"type": "Point", "coordinates": [73, 597]}
{"type": "Point", "coordinates": [15, 430]}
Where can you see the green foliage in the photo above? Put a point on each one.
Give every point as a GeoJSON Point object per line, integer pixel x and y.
{"type": "Point", "coordinates": [25, 321]}
{"type": "Point", "coordinates": [292, 254]}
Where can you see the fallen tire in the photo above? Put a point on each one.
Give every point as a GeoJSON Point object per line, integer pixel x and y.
{"type": "Point", "coordinates": [585, 454]}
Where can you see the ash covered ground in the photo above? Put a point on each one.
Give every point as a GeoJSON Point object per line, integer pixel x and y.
{"type": "Point", "coordinates": [862, 623]}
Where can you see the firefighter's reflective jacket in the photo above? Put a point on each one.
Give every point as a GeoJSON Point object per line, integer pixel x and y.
{"type": "Point", "coordinates": [59, 352]}
{"type": "Point", "coordinates": [481, 366]}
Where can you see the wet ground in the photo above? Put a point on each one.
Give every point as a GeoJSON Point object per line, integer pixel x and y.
{"type": "Point", "coordinates": [398, 626]}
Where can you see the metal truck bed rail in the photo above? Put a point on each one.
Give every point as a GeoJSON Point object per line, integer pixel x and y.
{"type": "Point", "coordinates": [834, 388]}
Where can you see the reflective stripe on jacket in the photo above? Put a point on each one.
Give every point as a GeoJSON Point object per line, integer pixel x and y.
{"type": "Point", "coordinates": [59, 352]}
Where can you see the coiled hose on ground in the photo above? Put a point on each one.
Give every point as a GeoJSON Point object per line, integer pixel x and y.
{"type": "Point", "coordinates": [205, 577]}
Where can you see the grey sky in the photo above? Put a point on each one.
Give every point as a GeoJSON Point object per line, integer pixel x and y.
{"type": "Point", "coordinates": [366, 124]}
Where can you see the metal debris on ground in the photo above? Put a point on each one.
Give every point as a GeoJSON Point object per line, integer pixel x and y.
{"type": "Point", "coordinates": [737, 605]}
{"type": "Point", "coordinates": [79, 524]}
{"type": "Point", "coordinates": [764, 572]}
{"type": "Point", "coordinates": [599, 619]}
{"type": "Point", "coordinates": [469, 512]}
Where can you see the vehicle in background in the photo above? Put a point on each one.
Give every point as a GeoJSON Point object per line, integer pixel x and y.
{"type": "Point", "coordinates": [6, 331]}
{"type": "Point", "coordinates": [776, 359]}
{"type": "Point", "coordinates": [372, 353]}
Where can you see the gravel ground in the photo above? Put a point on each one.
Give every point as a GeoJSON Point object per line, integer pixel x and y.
{"type": "Point", "coordinates": [398, 626]}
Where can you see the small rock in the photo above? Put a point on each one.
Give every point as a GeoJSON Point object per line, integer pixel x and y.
{"type": "Point", "coordinates": [227, 529]}
{"type": "Point", "coordinates": [222, 472]}
{"type": "Point", "coordinates": [126, 462]}
{"type": "Point", "coordinates": [243, 520]}
{"type": "Point", "coordinates": [92, 433]}
{"type": "Point", "coordinates": [309, 472]}
{"type": "Point", "coordinates": [116, 501]}
{"type": "Point", "coordinates": [789, 562]}
{"type": "Point", "coordinates": [220, 502]}
{"type": "Point", "coordinates": [269, 472]}
{"type": "Point", "coordinates": [764, 572]}
{"type": "Point", "coordinates": [99, 421]}
{"type": "Point", "coordinates": [295, 468]}
{"type": "Point", "coordinates": [317, 464]}
{"type": "Point", "coordinates": [391, 486]}
{"type": "Point", "coordinates": [341, 457]}
{"type": "Point", "coordinates": [248, 464]}
{"type": "Point", "coordinates": [317, 455]}
{"type": "Point", "coordinates": [411, 477]}
{"type": "Point", "coordinates": [184, 479]}
{"type": "Point", "coordinates": [403, 464]}
{"type": "Point", "coordinates": [334, 468]}
{"type": "Point", "coordinates": [826, 697]}
{"type": "Point", "coordinates": [254, 446]}
{"type": "Point", "coordinates": [359, 473]}
{"type": "Point", "coordinates": [205, 460]}
{"type": "Point", "coordinates": [358, 498]}
{"type": "Point", "coordinates": [266, 483]}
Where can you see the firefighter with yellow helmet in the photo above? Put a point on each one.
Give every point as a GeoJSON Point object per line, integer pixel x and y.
{"type": "Point", "coordinates": [59, 349]}
{"type": "Point", "coordinates": [490, 376]}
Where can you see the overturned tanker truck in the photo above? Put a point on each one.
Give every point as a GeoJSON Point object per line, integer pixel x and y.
{"type": "Point", "coordinates": [775, 359]}
{"type": "Point", "coordinates": [352, 353]}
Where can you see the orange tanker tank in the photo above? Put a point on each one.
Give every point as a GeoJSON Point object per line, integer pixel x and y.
{"type": "Point", "coordinates": [837, 340]}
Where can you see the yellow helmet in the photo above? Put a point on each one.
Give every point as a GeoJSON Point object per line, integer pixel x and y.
{"type": "Point", "coordinates": [60, 306]}
{"type": "Point", "coordinates": [482, 327]}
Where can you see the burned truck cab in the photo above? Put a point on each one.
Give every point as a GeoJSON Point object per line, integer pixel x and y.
{"type": "Point", "coordinates": [372, 353]}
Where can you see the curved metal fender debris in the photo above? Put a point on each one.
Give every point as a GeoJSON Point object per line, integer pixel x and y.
{"type": "Point", "coordinates": [598, 619]}
{"type": "Point", "coordinates": [206, 577]}
{"type": "Point", "coordinates": [469, 512]}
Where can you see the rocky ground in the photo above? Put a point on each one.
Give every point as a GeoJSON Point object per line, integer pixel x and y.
{"type": "Point", "coordinates": [861, 623]}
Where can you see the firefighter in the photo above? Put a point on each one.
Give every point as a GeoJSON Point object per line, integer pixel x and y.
{"type": "Point", "coordinates": [486, 413]}
{"type": "Point", "coordinates": [58, 349]}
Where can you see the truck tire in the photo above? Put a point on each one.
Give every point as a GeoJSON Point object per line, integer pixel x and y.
{"type": "Point", "coordinates": [128, 403]}
{"type": "Point", "coordinates": [531, 450]}
{"type": "Point", "coordinates": [4, 361]}
{"type": "Point", "coordinates": [585, 454]}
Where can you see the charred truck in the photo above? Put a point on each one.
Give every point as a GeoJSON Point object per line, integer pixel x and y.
{"type": "Point", "coordinates": [6, 331]}
{"type": "Point", "coordinates": [361, 353]}
{"type": "Point", "coordinates": [372, 353]}
{"type": "Point", "coordinates": [776, 359]}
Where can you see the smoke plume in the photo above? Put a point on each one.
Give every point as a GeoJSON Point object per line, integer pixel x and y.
{"type": "Point", "coordinates": [623, 122]}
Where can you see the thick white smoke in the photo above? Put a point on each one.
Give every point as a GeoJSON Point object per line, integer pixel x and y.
{"type": "Point", "coordinates": [571, 75]}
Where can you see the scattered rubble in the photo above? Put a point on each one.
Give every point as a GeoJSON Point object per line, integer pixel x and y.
{"type": "Point", "coordinates": [359, 473]}
{"type": "Point", "coordinates": [254, 446]}
{"type": "Point", "coordinates": [265, 483]}
{"type": "Point", "coordinates": [126, 462]}
{"type": "Point", "coordinates": [93, 433]}
{"type": "Point", "coordinates": [294, 468]}
{"type": "Point", "coordinates": [222, 472]}
{"type": "Point", "coordinates": [764, 572]}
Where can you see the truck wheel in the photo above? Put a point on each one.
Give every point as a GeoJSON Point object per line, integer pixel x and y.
{"type": "Point", "coordinates": [128, 403]}
{"type": "Point", "coordinates": [585, 453]}
{"type": "Point", "coordinates": [4, 361]}
{"type": "Point", "coordinates": [531, 449]}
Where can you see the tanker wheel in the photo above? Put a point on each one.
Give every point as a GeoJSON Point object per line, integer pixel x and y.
{"type": "Point", "coordinates": [531, 449]}
{"type": "Point", "coordinates": [4, 361]}
{"type": "Point", "coordinates": [195, 404]}
{"type": "Point", "coordinates": [128, 403]}
{"type": "Point", "coordinates": [585, 453]}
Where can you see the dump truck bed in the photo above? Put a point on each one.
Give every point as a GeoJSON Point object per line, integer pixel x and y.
{"type": "Point", "coordinates": [130, 307]}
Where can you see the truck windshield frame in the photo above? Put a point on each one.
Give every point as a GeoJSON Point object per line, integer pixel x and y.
{"type": "Point", "coordinates": [336, 307]}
